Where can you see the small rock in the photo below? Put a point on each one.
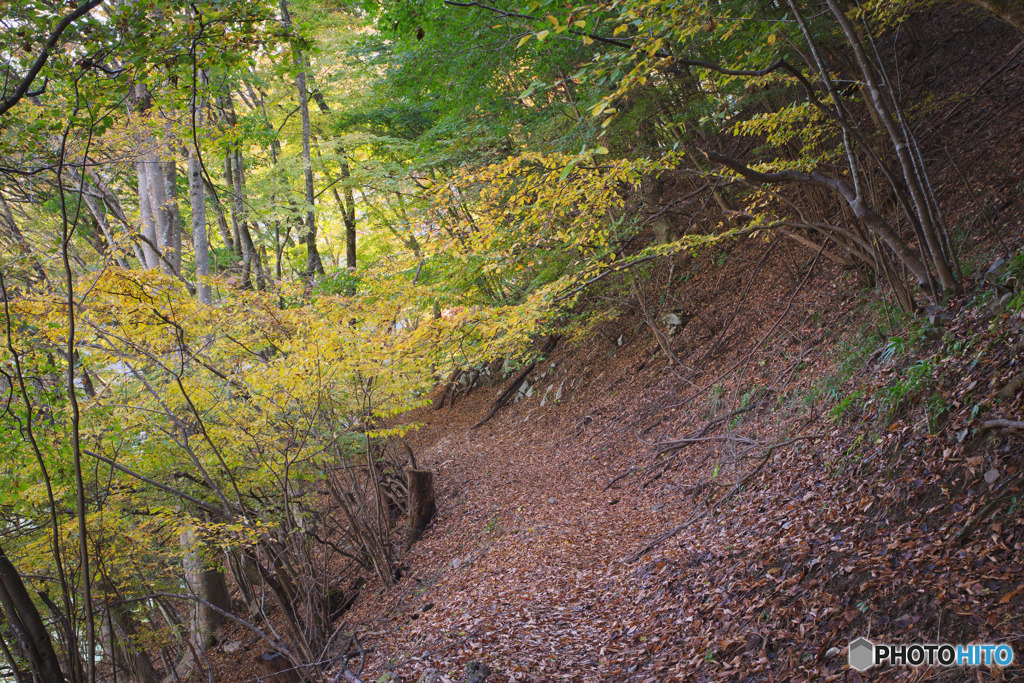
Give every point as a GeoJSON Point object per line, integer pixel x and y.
{"type": "Point", "coordinates": [991, 476]}
{"type": "Point", "coordinates": [937, 316]}
{"type": "Point", "coordinates": [231, 647]}
{"type": "Point", "coordinates": [456, 563]}
{"type": "Point", "coordinates": [618, 342]}
{"type": "Point", "coordinates": [552, 500]}
{"type": "Point", "coordinates": [430, 676]}
{"type": "Point", "coordinates": [996, 270]}
{"type": "Point", "coordinates": [658, 508]}
{"type": "Point", "coordinates": [675, 321]}
{"type": "Point", "coordinates": [833, 652]}
{"type": "Point", "coordinates": [1001, 305]}
{"type": "Point", "coordinates": [477, 672]}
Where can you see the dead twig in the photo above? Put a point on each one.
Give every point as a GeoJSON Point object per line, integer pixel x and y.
{"type": "Point", "coordinates": [735, 489]}
{"type": "Point", "coordinates": [1001, 424]}
{"type": "Point", "coordinates": [517, 382]}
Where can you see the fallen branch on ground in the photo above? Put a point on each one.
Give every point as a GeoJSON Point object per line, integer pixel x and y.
{"type": "Point", "coordinates": [735, 489]}
{"type": "Point", "coordinates": [1002, 424]}
{"type": "Point", "coordinates": [507, 395]}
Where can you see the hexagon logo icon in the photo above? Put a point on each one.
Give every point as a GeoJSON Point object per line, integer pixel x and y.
{"type": "Point", "coordinates": [862, 654]}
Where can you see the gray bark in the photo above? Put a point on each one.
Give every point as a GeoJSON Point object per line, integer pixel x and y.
{"type": "Point", "coordinates": [883, 104]}
{"type": "Point", "coordinates": [147, 217]}
{"type": "Point", "coordinates": [200, 241]}
{"type": "Point", "coordinates": [172, 239]}
{"type": "Point", "coordinates": [208, 583]}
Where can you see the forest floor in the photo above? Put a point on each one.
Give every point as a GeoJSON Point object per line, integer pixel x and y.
{"type": "Point", "coordinates": [862, 445]}
{"type": "Point", "coordinates": [532, 563]}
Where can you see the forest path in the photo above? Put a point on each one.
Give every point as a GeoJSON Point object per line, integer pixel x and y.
{"type": "Point", "coordinates": [523, 567]}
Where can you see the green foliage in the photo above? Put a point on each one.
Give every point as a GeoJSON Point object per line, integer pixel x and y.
{"type": "Point", "coordinates": [908, 385]}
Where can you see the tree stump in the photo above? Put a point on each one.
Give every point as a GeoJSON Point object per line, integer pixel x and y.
{"type": "Point", "coordinates": [421, 503]}
{"type": "Point", "coordinates": [277, 668]}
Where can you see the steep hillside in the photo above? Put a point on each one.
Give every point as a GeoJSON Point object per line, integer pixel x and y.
{"type": "Point", "coordinates": [842, 524]}
{"type": "Point", "coordinates": [812, 470]}
{"type": "Point", "coordinates": [753, 459]}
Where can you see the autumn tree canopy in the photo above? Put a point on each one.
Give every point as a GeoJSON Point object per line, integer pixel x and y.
{"type": "Point", "coordinates": [237, 239]}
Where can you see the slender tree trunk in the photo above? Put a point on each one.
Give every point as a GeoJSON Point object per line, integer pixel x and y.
{"type": "Point", "coordinates": [350, 215]}
{"type": "Point", "coordinates": [314, 265]}
{"type": "Point", "coordinates": [882, 102]}
{"type": "Point", "coordinates": [250, 256]}
{"type": "Point", "coordinates": [222, 221]}
{"type": "Point", "coordinates": [147, 211]}
{"type": "Point", "coordinates": [18, 237]}
{"type": "Point", "coordinates": [229, 180]}
{"type": "Point", "coordinates": [148, 221]}
{"type": "Point", "coordinates": [200, 241]}
{"type": "Point", "coordinates": [117, 629]}
{"type": "Point", "coordinates": [348, 206]}
{"type": "Point", "coordinates": [860, 208]}
{"type": "Point", "coordinates": [160, 205]}
{"type": "Point", "coordinates": [172, 239]}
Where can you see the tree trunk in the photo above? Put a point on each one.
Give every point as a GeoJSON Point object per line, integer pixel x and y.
{"type": "Point", "coordinates": [1010, 11]}
{"type": "Point", "coordinates": [350, 215]}
{"type": "Point", "coordinates": [117, 629]}
{"type": "Point", "coordinates": [197, 201]}
{"type": "Point", "coordinates": [229, 180]}
{"type": "Point", "coordinates": [275, 667]}
{"type": "Point", "coordinates": [222, 221]}
{"type": "Point", "coordinates": [147, 219]}
{"type": "Point", "coordinates": [206, 582]}
{"type": "Point", "coordinates": [147, 210]}
{"type": "Point", "coordinates": [172, 238]}
{"type": "Point", "coordinates": [250, 256]}
{"type": "Point", "coordinates": [348, 205]}
{"type": "Point", "coordinates": [913, 172]}
{"type": "Point", "coordinates": [160, 206]}
{"type": "Point", "coordinates": [314, 265]}
{"type": "Point", "coordinates": [200, 241]}
{"type": "Point", "coordinates": [26, 623]}
{"type": "Point", "coordinates": [421, 503]}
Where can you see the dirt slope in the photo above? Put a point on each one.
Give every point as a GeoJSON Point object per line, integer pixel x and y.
{"type": "Point", "coordinates": [530, 564]}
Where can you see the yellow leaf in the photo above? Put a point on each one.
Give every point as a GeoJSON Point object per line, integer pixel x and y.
{"type": "Point", "coordinates": [522, 41]}
{"type": "Point", "coordinates": [552, 20]}
{"type": "Point", "coordinates": [587, 40]}
{"type": "Point", "coordinates": [771, 39]}
{"type": "Point", "coordinates": [619, 29]}
{"type": "Point", "coordinates": [542, 35]}
{"type": "Point", "coordinates": [601, 150]}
